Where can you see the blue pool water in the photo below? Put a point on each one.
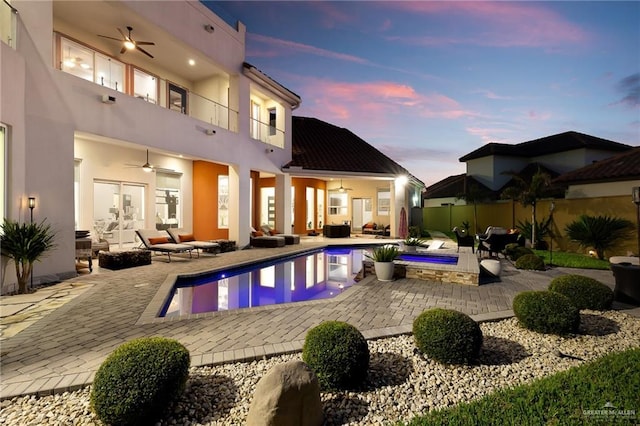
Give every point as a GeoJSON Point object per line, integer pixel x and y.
{"type": "Point", "coordinates": [313, 275]}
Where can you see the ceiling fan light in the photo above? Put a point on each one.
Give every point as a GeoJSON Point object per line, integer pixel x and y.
{"type": "Point", "coordinates": [147, 167]}
{"type": "Point", "coordinates": [129, 44]}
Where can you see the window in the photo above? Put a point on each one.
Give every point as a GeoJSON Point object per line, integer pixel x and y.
{"type": "Point", "coordinates": [310, 195]}
{"type": "Point", "coordinates": [337, 203]}
{"type": "Point", "coordinates": [384, 201]}
{"type": "Point", "coordinates": [167, 200]}
{"type": "Point", "coordinates": [272, 121]}
{"type": "Point", "coordinates": [223, 202]}
{"type": "Point", "coordinates": [145, 86]}
{"type": "Point", "coordinates": [255, 120]}
{"type": "Point", "coordinates": [320, 207]}
{"type": "Point", "coordinates": [76, 59]}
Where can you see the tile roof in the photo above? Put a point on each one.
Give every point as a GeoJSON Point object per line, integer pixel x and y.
{"type": "Point", "coordinates": [320, 146]}
{"type": "Point", "coordinates": [561, 142]}
{"type": "Point", "coordinates": [454, 186]}
{"type": "Point", "coordinates": [625, 166]}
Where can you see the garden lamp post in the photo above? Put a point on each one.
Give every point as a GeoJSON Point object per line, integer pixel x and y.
{"type": "Point", "coordinates": [552, 206]}
{"type": "Point", "coordinates": [32, 205]}
{"type": "Point", "coordinates": [636, 199]}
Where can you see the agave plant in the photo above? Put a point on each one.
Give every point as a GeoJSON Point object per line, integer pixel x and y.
{"type": "Point", "coordinates": [385, 253]}
{"type": "Point", "coordinates": [542, 230]}
{"type": "Point", "coordinates": [413, 241]}
{"type": "Point", "coordinates": [599, 232]}
{"type": "Point", "coordinates": [25, 244]}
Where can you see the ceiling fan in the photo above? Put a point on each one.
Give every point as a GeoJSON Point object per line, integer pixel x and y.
{"type": "Point", "coordinates": [129, 43]}
{"type": "Point", "coordinates": [342, 188]}
{"type": "Point", "coordinates": [148, 167]}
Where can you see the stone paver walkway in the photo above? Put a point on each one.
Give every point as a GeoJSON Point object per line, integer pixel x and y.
{"type": "Point", "coordinates": [60, 345]}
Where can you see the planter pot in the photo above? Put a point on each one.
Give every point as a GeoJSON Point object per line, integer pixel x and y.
{"type": "Point", "coordinates": [384, 270]}
{"type": "Point", "coordinates": [410, 249]}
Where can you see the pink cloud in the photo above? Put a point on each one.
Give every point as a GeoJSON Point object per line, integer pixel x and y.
{"type": "Point", "coordinates": [502, 24]}
{"type": "Point", "coordinates": [376, 101]}
{"type": "Point", "coordinates": [330, 15]}
{"type": "Point", "coordinates": [292, 46]}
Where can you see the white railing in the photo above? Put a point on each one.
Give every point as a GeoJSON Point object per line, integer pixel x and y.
{"type": "Point", "coordinates": [266, 133]}
{"type": "Point", "coordinates": [8, 21]}
{"type": "Point", "coordinates": [212, 112]}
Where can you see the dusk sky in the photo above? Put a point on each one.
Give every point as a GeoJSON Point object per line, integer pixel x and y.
{"type": "Point", "coordinates": [427, 82]}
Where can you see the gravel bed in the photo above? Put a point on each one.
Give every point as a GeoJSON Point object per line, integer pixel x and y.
{"type": "Point", "coordinates": [401, 383]}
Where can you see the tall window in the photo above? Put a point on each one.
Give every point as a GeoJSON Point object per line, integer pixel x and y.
{"type": "Point", "coordinates": [320, 207]}
{"type": "Point", "coordinates": [255, 120]}
{"type": "Point", "coordinates": [109, 72]}
{"type": "Point", "coordinates": [384, 201]}
{"type": "Point", "coordinates": [310, 208]}
{"type": "Point", "coordinates": [223, 202]}
{"type": "Point", "coordinates": [88, 64]}
{"type": "Point", "coordinates": [337, 203]}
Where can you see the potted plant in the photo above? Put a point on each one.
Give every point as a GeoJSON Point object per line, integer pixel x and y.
{"type": "Point", "coordinates": [383, 257]}
{"type": "Point", "coordinates": [24, 244]}
{"type": "Point", "coordinates": [412, 243]}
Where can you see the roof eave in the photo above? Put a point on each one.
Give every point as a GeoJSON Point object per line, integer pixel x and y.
{"type": "Point", "coordinates": [257, 76]}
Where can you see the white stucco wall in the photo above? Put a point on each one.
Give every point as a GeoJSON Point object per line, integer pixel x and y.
{"type": "Point", "coordinates": [604, 189]}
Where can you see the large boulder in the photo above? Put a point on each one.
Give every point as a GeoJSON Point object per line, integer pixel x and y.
{"type": "Point", "coordinates": [288, 395]}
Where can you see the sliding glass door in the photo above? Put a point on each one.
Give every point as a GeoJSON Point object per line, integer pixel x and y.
{"type": "Point", "coordinates": [118, 210]}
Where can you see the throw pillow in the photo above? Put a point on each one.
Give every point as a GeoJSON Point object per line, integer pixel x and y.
{"type": "Point", "coordinates": [258, 234]}
{"type": "Point", "coordinates": [184, 238]}
{"type": "Point", "coordinates": [273, 232]}
{"type": "Point", "coordinates": [158, 240]}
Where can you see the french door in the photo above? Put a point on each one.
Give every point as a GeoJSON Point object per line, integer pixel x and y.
{"type": "Point", "coordinates": [118, 210]}
{"type": "Point", "coordinates": [361, 213]}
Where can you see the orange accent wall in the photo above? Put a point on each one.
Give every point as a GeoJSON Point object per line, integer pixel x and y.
{"type": "Point", "coordinates": [205, 200]}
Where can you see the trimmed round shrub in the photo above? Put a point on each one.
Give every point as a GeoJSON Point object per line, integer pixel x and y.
{"type": "Point", "coordinates": [546, 312]}
{"type": "Point", "coordinates": [139, 380]}
{"type": "Point", "coordinates": [584, 292]}
{"type": "Point", "coordinates": [516, 251]}
{"type": "Point", "coordinates": [338, 354]}
{"type": "Point", "coordinates": [447, 336]}
{"type": "Point", "coordinates": [530, 261]}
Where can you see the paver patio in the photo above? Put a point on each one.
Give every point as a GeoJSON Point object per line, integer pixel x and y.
{"type": "Point", "coordinates": [63, 349]}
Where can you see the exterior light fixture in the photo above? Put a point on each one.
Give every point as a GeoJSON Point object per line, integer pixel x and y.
{"type": "Point", "coordinates": [401, 180]}
{"type": "Point", "coordinates": [209, 28]}
{"type": "Point", "coordinates": [192, 62]}
{"type": "Point", "coordinates": [32, 205]}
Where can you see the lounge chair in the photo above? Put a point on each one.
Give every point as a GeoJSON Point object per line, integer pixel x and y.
{"type": "Point", "coordinates": [155, 240]}
{"type": "Point", "coordinates": [288, 238]}
{"type": "Point", "coordinates": [435, 245]}
{"type": "Point", "coordinates": [259, 239]}
{"type": "Point", "coordinates": [180, 236]}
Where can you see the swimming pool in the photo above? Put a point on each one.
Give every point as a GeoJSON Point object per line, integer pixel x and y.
{"type": "Point", "coordinates": [313, 275]}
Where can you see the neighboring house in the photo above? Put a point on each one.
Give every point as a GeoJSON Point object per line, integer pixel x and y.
{"type": "Point", "coordinates": [556, 154]}
{"type": "Point", "coordinates": [82, 118]}
{"type": "Point", "coordinates": [363, 185]}
{"type": "Point", "coordinates": [616, 175]}
{"type": "Point", "coordinates": [451, 190]}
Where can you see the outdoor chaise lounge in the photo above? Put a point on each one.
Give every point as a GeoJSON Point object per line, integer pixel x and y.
{"type": "Point", "coordinates": [288, 238]}
{"type": "Point", "coordinates": [155, 240]}
{"type": "Point", "coordinates": [180, 236]}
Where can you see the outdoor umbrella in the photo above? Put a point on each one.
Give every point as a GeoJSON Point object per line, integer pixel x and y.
{"type": "Point", "coordinates": [403, 229]}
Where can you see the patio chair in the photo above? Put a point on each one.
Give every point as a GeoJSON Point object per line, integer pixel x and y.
{"type": "Point", "coordinates": [180, 236]}
{"type": "Point", "coordinates": [464, 239]}
{"type": "Point", "coordinates": [288, 238]}
{"type": "Point", "coordinates": [154, 240]}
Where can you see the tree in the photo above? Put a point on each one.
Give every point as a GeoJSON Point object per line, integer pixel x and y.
{"type": "Point", "coordinates": [25, 244]}
{"type": "Point", "coordinates": [528, 191]}
{"type": "Point", "coordinates": [474, 194]}
{"type": "Point", "coordinates": [599, 232]}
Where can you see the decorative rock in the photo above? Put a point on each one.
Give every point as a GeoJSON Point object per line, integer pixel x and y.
{"type": "Point", "coordinates": [288, 395]}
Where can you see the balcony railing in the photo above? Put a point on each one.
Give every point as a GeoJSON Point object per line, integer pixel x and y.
{"type": "Point", "coordinates": [267, 133]}
{"type": "Point", "coordinates": [212, 112]}
{"type": "Point", "coordinates": [8, 21]}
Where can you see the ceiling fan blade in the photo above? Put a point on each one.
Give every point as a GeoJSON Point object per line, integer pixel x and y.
{"type": "Point", "coordinates": [145, 43]}
{"type": "Point", "coordinates": [111, 38]}
{"type": "Point", "coordinates": [144, 51]}
{"type": "Point", "coordinates": [124, 37]}
{"type": "Point", "coordinates": [124, 49]}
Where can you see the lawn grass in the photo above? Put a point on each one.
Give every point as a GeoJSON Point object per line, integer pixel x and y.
{"type": "Point", "coordinates": [564, 398]}
{"type": "Point", "coordinates": [573, 260]}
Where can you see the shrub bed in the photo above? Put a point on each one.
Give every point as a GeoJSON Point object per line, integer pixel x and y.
{"type": "Point", "coordinates": [516, 251]}
{"type": "Point", "coordinates": [584, 292]}
{"type": "Point", "coordinates": [530, 261]}
{"type": "Point", "coordinates": [447, 336]}
{"type": "Point", "coordinates": [338, 354]}
{"type": "Point", "coordinates": [546, 312]}
{"type": "Point", "coordinates": [139, 381]}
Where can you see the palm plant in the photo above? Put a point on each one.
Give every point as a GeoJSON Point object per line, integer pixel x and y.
{"type": "Point", "coordinates": [599, 232]}
{"type": "Point", "coordinates": [542, 230]}
{"type": "Point", "coordinates": [474, 194]}
{"type": "Point", "coordinates": [25, 244]}
{"type": "Point", "coordinates": [528, 192]}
